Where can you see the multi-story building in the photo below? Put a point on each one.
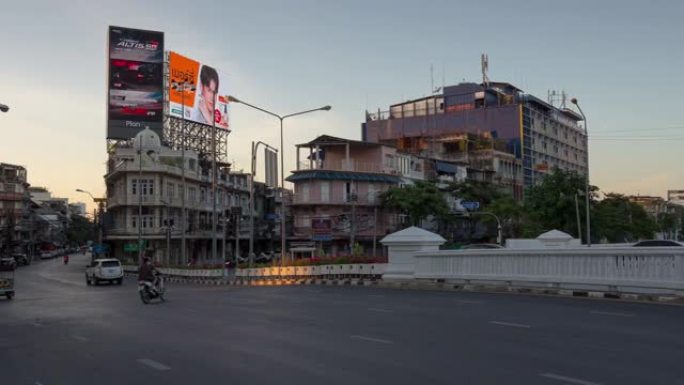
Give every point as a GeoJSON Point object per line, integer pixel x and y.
{"type": "Point", "coordinates": [494, 128]}
{"type": "Point", "coordinates": [15, 214]}
{"type": "Point", "coordinates": [336, 191]}
{"type": "Point", "coordinates": [675, 197]}
{"type": "Point", "coordinates": [144, 176]}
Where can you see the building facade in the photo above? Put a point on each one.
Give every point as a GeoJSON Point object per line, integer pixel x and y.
{"type": "Point", "coordinates": [494, 128]}
{"type": "Point", "coordinates": [144, 177]}
{"type": "Point", "coordinates": [675, 197]}
{"type": "Point", "coordinates": [15, 210]}
{"type": "Point", "coordinates": [337, 187]}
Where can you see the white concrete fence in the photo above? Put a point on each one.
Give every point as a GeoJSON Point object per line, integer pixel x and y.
{"type": "Point", "coordinates": [640, 270]}
{"type": "Point", "coordinates": [624, 270]}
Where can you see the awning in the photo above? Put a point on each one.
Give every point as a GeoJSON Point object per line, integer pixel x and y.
{"type": "Point", "coordinates": [342, 175]}
{"type": "Point", "coordinates": [446, 168]}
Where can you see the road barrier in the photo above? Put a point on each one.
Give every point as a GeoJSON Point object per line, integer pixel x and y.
{"type": "Point", "coordinates": [640, 270]}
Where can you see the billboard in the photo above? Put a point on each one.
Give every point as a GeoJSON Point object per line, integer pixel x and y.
{"type": "Point", "coordinates": [136, 81]}
{"type": "Point", "coordinates": [206, 101]}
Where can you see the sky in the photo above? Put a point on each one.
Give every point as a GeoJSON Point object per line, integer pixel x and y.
{"type": "Point", "coordinates": [622, 59]}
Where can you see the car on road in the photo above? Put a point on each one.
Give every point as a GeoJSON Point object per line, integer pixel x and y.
{"type": "Point", "coordinates": [22, 259]}
{"type": "Point", "coordinates": [109, 270]}
{"type": "Point", "coordinates": [658, 243]}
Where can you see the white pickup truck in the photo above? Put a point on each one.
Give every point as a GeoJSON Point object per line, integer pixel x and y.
{"type": "Point", "coordinates": [104, 270]}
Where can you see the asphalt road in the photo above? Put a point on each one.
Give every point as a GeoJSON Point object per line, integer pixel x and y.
{"type": "Point", "coordinates": [57, 330]}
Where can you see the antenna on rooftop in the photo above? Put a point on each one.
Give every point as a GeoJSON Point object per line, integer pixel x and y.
{"type": "Point", "coordinates": [484, 62]}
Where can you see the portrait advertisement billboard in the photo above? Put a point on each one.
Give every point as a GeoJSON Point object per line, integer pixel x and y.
{"type": "Point", "coordinates": [136, 82]}
{"type": "Point", "coordinates": [205, 96]}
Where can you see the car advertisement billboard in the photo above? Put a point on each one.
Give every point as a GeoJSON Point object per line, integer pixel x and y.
{"type": "Point", "coordinates": [206, 96]}
{"type": "Point", "coordinates": [136, 82]}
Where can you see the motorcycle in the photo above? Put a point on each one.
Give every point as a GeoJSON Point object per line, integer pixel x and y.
{"type": "Point", "coordinates": [151, 290]}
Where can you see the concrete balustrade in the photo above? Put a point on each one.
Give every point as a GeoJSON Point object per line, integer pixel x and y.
{"type": "Point", "coordinates": [653, 270]}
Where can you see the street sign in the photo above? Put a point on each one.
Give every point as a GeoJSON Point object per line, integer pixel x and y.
{"type": "Point", "coordinates": [99, 249]}
{"type": "Point", "coordinates": [470, 205]}
{"type": "Point", "coordinates": [132, 247]}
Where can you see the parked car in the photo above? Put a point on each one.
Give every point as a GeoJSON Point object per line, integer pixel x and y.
{"type": "Point", "coordinates": [109, 270]}
{"type": "Point", "coordinates": [658, 243]}
{"type": "Point", "coordinates": [481, 246]}
{"type": "Point", "coordinates": [22, 259]}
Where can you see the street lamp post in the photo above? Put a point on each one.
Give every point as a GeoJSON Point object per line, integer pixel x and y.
{"type": "Point", "coordinates": [586, 185]}
{"type": "Point", "coordinates": [255, 147]}
{"type": "Point", "coordinates": [499, 236]}
{"type": "Point", "coordinates": [96, 218]}
{"type": "Point", "coordinates": [282, 164]}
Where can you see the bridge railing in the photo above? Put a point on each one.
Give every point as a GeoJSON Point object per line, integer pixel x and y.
{"type": "Point", "coordinates": [623, 269]}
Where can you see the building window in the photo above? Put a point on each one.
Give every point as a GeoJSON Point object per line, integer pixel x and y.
{"type": "Point", "coordinates": [134, 186]}
{"type": "Point", "coordinates": [169, 190]}
{"type": "Point", "coordinates": [203, 195]}
{"type": "Point", "coordinates": [192, 194]}
{"type": "Point", "coordinates": [134, 222]}
{"type": "Point", "coordinates": [325, 191]}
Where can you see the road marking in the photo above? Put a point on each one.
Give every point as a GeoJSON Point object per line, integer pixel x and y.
{"type": "Point", "coordinates": [568, 379]}
{"type": "Point", "coordinates": [37, 324]}
{"type": "Point", "coordinates": [371, 339]}
{"type": "Point", "coordinates": [153, 364]}
{"type": "Point", "coordinates": [510, 324]}
{"type": "Point", "coordinates": [376, 295]}
{"type": "Point", "coordinates": [380, 310]}
{"type": "Point", "coordinates": [612, 313]}
{"type": "Point", "coordinates": [80, 338]}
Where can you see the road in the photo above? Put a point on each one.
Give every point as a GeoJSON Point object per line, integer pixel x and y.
{"type": "Point", "coordinates": [57, 330]}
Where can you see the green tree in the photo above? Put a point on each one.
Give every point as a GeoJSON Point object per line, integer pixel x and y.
{"type": "Point", "coordinates": [472, 190]}
{"type": "Point", "coordinates": [510, 213]}
{"type": "Point", "coordinates": [418, 201]}
{"type": "Point", "coordinates": [550, 204]}
{"type": "Point", "coordinates": [616, 219]}
{"type": "Point", "coordinates": [80, 230]}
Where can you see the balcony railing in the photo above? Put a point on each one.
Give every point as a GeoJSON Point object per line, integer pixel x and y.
{"type": "Point", "coordinates": [349, 165]}
{"type": "Point", "coordinates": [361, 199]}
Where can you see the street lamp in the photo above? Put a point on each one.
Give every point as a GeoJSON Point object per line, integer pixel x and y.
{"type": "Point", "coordinates": [255, 147]}
{"type": "Point", "coordinates": [586, 185]}
{"type": "Point", "coordinates": [96, 218]}
{"type": "Point", "coordinates": [4, 107]}
{"type": "Point", "coordinates": [282, 163]}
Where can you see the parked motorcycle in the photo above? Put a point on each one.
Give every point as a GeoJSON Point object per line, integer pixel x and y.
{"type": "Point", "coordinates": [151, 290]}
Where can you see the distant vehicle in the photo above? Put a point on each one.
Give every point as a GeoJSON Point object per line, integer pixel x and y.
{"type": "Point", "coordinates": [22, 259]}
{"type": "Point", "coordinates": [481, 246]}
{"type": "Point", "coordinates": [658, 243]}
{"type": "Point", "coordinates": [104, 270]}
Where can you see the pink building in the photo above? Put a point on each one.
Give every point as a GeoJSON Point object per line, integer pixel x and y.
{"type": "Point", "coordinates": [336, 199]}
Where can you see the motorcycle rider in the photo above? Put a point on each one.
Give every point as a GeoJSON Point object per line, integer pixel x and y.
{"type": "Point", "coordinates": [147, 273]}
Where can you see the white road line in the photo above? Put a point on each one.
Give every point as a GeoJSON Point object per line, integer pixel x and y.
{"type": "Point", "coordinates": [80, 338]}
{"type": "Point", "coordinates": [371, 339]}
{"type": "Point", "coordinates": [153, 364]}
{"type": "Point", "coordinates": [380, 310]}
{"type": "Point", "coordinates": [569, 380]}
{"type": "Point", "coordinates": [510, 324]}
{"type": "Point", "coordinates": [37, 324]}
{"type": "Point", "coordinates": [612, 313]}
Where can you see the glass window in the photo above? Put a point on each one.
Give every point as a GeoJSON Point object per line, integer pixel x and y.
{"type": "Point", "coordinates": [134, 186]}
{"type": "Point", "coordinates": [325, 191]}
